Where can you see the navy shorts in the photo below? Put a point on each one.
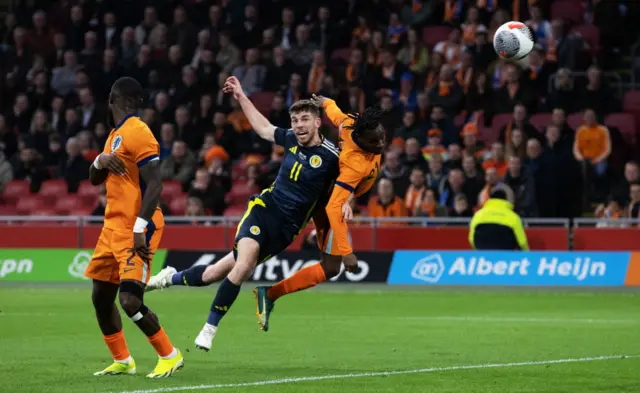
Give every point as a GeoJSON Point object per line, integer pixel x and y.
{"type": "Point", "coordinates": [263, 222]}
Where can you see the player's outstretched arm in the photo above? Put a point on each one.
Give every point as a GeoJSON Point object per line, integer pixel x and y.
{"type": "Point", "coordinates": [259, 123]}
{"type": "Point", "coordinates": [332, 110]}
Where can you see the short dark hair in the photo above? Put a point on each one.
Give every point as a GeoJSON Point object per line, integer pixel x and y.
{"type": "Point", "coordinates": [499, 194]}
{"type": "Point", "coordinates": [128, 92]}
{"type": "Point", "coordinates": [305, 106]}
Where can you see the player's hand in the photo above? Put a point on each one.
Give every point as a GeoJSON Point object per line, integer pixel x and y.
{"type": "Point", "coordinates": [350, 262]}
{"type": "Point", "coordinates": [232, 86]}
{"type": "Point", "coordinates": [319, 100]}
{"type": "Point", "coordinates": [113, 163]}
{"type": "Point", "coordinates": [140, 245]}
{"type": "Point", "coordinates": [347, 212]}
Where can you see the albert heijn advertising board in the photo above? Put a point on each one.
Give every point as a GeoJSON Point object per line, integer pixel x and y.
{"type": "Point", "coordinates": [515, 268]}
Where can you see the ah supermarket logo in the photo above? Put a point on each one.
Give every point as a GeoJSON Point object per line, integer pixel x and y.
{"type": "Point", "coordinates": [508, 268]}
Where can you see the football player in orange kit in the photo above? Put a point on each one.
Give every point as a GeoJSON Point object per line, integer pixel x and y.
{"type": "Point", "coordinates": [362, 140]}
{"type": "Point", "coordinates": [133, 224]}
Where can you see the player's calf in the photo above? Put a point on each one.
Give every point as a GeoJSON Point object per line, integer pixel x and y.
{"type": "Point", "coordinates": [248, 251]}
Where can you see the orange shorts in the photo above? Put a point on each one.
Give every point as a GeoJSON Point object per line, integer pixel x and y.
{"type": "Point", "coordinates": [114, 258]}
{"type": "Point", "coordinates": [324, 234]}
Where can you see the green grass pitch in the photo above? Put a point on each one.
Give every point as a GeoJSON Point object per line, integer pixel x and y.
{"type": "Point", "coordinates": [457, 340]}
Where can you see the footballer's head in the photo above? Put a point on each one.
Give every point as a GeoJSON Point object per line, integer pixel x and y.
{"type": "Point", "coordinates": [126, 97]}
{"type": "Point", "coordinates": [368, 132]}
{"type": "Point", "coordinates": [305, 121]}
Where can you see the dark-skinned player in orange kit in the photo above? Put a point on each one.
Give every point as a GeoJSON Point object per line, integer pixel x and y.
{"type": "Point", "coordinates": [362, 140]}
{"type": "Point", "coordinates": [133, 224]}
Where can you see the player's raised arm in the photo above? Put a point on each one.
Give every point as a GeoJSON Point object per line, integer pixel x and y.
{"type": "Point", "coordinates": [334, 113]}
{"type": "Point", "coordinates": [259, 123]}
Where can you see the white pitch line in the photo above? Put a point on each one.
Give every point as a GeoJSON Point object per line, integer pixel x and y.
{"type": "Point", "coordinates": [377, 374]}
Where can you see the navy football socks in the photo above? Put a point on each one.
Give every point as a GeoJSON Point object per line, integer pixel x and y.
{"type": "Point", "coordinates": [227, 294]}
{"type": "Point", "coordinates": [191, 277]}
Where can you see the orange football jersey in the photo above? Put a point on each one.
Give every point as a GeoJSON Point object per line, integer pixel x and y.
{"type": "Point", "coordinates": [358, 171]}
{"type": "Point", "coordinates": [134, 143]}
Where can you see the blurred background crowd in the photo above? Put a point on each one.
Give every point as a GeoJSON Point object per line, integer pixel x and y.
{"type": "Point", "coordinates": [560, 133]}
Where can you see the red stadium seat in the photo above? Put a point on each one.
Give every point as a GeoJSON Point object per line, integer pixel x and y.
{"type": "Point", "coordinates": [53, 189]}
{"type": "Point", "coordinates": [7, 210]}
{"type": "Point", "coordinates": [575, 120]}
{"type": "Point", "coordinates": [29, 203]}
{"type": "Point", "coordinates": [237, 170]}
{"type": "Point", "coordinates": [263, 101]}
{"type": "Point", "coordinates": [431, 35]}
{"type": "Point", "coordinates": [14, 190]}
{"type": "Point", "coordinates": [66, 203]}
{"type": "Point", "coordinates": [488, 134]}
{"type": "Point", "coordinates": [235, 211]}
{"type": "Point", "coordinates": [170, 189]}
{"type": "Point", "coordinates": [591, 34]}
{"type": "Point", "coordinates": [88, 192]}
{"type": "Point", "coordinates": [631, 102]}
{"type": "Point", "coordinates": [625, 123]}
{"type": "Point", "coordinates": [83, 211]}
{"type": "Point", "coordinates": [43, 211]}
{"type": "Point", "coordinates": [568, 10]}
{"type": "Point", "coordinates": [240, 193]}
{"type": "Point", "coordinates": [178, 205]}
{"type": "Point", "coordinates": [500, 121]}
{"type": "Point", "coordinates": [341, 54]}
{"type": "Point", "coordinates": [540, 121]}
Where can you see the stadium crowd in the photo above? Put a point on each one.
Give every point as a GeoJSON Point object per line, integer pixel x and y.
{"type": "Point", "coordinates": [460, 121]}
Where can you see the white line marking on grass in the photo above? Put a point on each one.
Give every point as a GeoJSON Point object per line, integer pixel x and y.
{"type": "Point", "coordinates": [480, 318]}
{"type": "Point", "coordinates": [377, 374]}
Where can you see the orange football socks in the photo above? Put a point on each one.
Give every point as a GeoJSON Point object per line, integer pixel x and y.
{"type": "Point", "coordinates": [117, 346]}
{"type": "Point", "coordinates": [308, 277]}
{"type": "Point", "coordinates": [162, 344]}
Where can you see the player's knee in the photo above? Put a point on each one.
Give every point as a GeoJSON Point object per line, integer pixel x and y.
{"type": "Point", "coordinates": [331, 265]}
{"type": "Point", "coordinates": [131, 299]}
{"type": "Point", "coordinates": [101, 303]}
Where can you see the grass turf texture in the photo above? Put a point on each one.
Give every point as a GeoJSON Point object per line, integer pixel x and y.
{"type": "Point", "coordinates": [50, 342]}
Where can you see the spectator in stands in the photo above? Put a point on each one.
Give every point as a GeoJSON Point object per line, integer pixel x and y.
{"type": "Point", "coordinates": [430, 206]}
{"type": "Point", "coordinates": [180, 165]}
{"type": "Point", "coordinates": [473, 176]}
{"type": "Point", "coordinates": [471, 146]}
{"type": "Point", "coordinates": [434, 144]}
{"type": "Point", "coordinates": [40, 130]}
{"type": "Point", "coordinates": [19, 119]}
{"type": "Point", "coordinates": [88, 146]}
{"type": "Point", "coordinates": [482, 50]}
{"type": "Point", "coordinates": [279, 71]}
{"type": "Point", "coordinates": [6, 171]}
{"type": "Point", "coordinates": [375, 48]}
{"type": "Point", "coordinates": [492, 180]}
{"type": "Point", "coordinates": [423, 110]}
{"type": "Point", "coordinates": [28, 166]}
{"type": "Point", "coordinates": [295, 90]}
{"type": "Point", "coordinates": [302, 49]}
{"type": "Point", "coordinates": [204, 44]}
{"type": "Point", "coordinates": [285, 33]}
{"type": "Point", "coordinates": [317, 72]}
{"type": "Point", "coordinates": [90, 112]}
{"type": "Point", "coordinates": [439, 120]}
{"type": "Point", "coordinates": [228, 56]}
{"type": "Point", "coordinates": [410, 128]}
{"type": "Point", "coordinates": [251, 74]}
{"type": "Point", "coordinates": [564, 47]}
{"type": "Point", "coordinates": [185, 130]}
{"type": "Point", "coordinates": [461, 207]}
{"type": "Point", "coordinates": [63, 79]}
{"type": "Point", "coordinates": [413, 155]}
{"type": "Point", "coordinates": [187, 90]}
{"type": "Point", "coordinates": [538, 165]}
{"type": "Point", "coordinates": [559, 119]}
{"type": "Point", "coordinates": [414, 54]}
{"type": "Point", "coordinates": [609, 214]}
{"type": "Point", "coordinates": [437, 173]}
{"type": "Point", "coordinates": [514, 92]}
{"type": "Point", "coordinates": [167, 137]}
{"type": "Point", "coordinates": [519, 121]}
{"type": "Point", "coordinates": [455, 184]}
{"type": "Point", "coordinates": [447, 93]}
{"type": "Point", "coordinates": [470, 26]}
{"type": "Point", "coordinates": [496, 159]}
{"type": "Point", "coordinates": [209, 193]}
{"type": "Point", "coordinates": [597, 95]}
{"type": "Point", "coordinates": [523, 187]}
{"type": "Point", "coordinates": [564, 95]}
{"type": "Point", "coordinates": [593, 143]}
{"type": "Point", "coordinates": [631, 177]}
{"type": "Point", "coordinates": [541, 27]}
{"type": "Point", "coordinates": [8, 139]}
{"type": "Point", "coordinates": [396, 172]}
{"type": "Point", "coordinates": [325, 29]}
{"type": "Point", "coordinates": [479, 99]}
{"type": "Point", "coordinates": [517, 144]}
{"type": "Point", "coordinates": [539, 73]}
{"type": "Point", "coordinates": [266, 46]}
{"type": "Point", "coordinates": [451, 49]}
{"type": "Point", "coordinates": [194, 207]}
{"type": "Point", "coordinates": [149, 21]}
{"type": "Point", "coordinates": [406, 97]}
{"type": "Point", "coordinates": [634, 201]}
{"type": "Point", "coordinates": [415, 193]}
{"type": "Point", "coordinates": [75, 168]}
{"type": "Point", "coordinates": [386, 203]}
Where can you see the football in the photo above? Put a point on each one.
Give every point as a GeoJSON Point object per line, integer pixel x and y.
{"type": "Point", "coordinates": [513, 41]}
